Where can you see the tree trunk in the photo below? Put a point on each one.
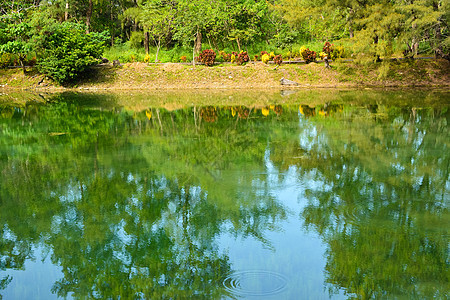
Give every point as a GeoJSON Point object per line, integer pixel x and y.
{"type": "Point", "coordinates": [197, 46]}
{"type": "Point", "coordinates": [350, 23]}
{"type": "Point", "coordinates": [438, 51]}
{"type": "Point", "coordinates": [88, 16]}
{"type": "Point", "coordinates": [198, 42]}
{"type": "Point", "coordinates": [22, 63]}
{"type": "Point", "coordinates": [66, 13]}
{"type": "Point", "coordinates": [415, 47]}
{"type": "Point", "coordinates": [146, 42]}
{"type": "Point", "coordinates": [158, 45]}
{"type": "Point", "coordinates": [112, 22]}
{"type": "Point", "coordinates": [239, 45]}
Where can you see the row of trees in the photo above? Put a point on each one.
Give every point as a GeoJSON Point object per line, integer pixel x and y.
{"type": "Point", "coordinates": [375, 24]}
{"type": "Point", "coordinates": [374, 28]}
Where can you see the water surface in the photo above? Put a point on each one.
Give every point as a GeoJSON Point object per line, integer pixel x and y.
{"type": "Point", "coordinates": [306, 195]}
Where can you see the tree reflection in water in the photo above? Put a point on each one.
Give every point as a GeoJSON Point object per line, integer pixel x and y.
{"type": "Point", "coordinates": [382, 203]}
{"type": "Point", "coordinates": [91, 185]}
{"type": "Point", "coordinates": [131, 203]}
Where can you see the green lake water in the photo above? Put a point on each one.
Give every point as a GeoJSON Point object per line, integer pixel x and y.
{"type": "Point", "coordinates": [243, 195]}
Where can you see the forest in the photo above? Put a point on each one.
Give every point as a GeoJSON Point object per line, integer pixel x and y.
{"type": "Point", "coordinates": [63, 37]}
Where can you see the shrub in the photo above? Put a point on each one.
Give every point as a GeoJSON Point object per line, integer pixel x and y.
{"type": "Point", "coordinates": [183, 58]}
{"type": "Point", "coordinates": [6, 60]}
{"type": "Point", "coordinates": [278, 59]}
{"type": "Point", "coordinates": [233, 57]}
{"type": "Point", "coordinates": [31, 61]}
{"type": "Point", "coordinates": [265, 58]}
{"type": "Point", "coordinates": [147, 58]}
{"type": "Point", "coordinates": [208, 57]}
{"type": "Point", "coordinates": [136, 39]}
{"type": "Point", "coordinates": [242, 58]}
{"type": "Point", "coordinates": [337, 52]}
{"type": "Point", "coordinates": [327, 49]}
{"type": "Point", "coordinates": [308, 55]}
{"type": "Point", "coordinates": [264, 52]}
{"type": "Point", "coordinates": [225, 56]}
{"type": "Point", "coordinates": [67, 50]}
{"type": "Point", "coordinates": [289, 54]}
{"type": "Point", "coordinates": [271, 55]}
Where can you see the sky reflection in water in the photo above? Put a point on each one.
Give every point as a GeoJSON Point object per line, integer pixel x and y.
{"type": "Point", "coordinates": [345, 197]}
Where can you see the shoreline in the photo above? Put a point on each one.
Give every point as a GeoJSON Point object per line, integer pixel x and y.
{"type": "Point", "coordinates": [258, 76]}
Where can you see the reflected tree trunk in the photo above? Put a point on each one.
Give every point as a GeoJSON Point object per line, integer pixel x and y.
{"type": "Point", "coordinates": [159, 120]}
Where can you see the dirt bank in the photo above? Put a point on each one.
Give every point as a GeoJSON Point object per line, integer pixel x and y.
{"type": "Point", "coordinates": [141, 76]}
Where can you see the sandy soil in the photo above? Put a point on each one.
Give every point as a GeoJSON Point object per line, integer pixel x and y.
{"type": "Point", "coordinates": [141, 76]}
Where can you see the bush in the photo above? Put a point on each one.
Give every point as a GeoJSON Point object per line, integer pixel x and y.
{"type": "Point", "coordinates": [136, 39]}
{"type": "Point", "coordinates": [183, 58]}
{"type": "Point", "coordinates": [67, 50]}
{"type": "Point", "coordinates": [327, 49]}
{"type": "Point", "coordinates": [278, 59]}
{"type": "Point", "coordinates": [337, 52]}
{"type": "Point", "coordinates": [265, 58]}
{"type": "Point", "coordinates": [308, 55]}
{"type": "Point", "coordinates": [225, 56]}
{"type": "Point", "coordinates": [233, 57]}
{"type": "Point", "coordinates": [242, 58]}
{"type": "Point", "coordinates": [207, 57]}
{"type": "Point", "coordinates": [31, 61]}
{"type": "Point", "coordinates": [6, 60]}
{"type": "Point", "coordinates": [147, 58]}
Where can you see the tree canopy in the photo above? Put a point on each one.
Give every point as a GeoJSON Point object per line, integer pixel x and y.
{"type": "Point", "coordinates": [371, 29]}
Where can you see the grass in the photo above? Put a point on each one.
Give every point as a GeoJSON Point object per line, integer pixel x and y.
{"type": "Point", "coordinates": [259, 75]}
{"type": "Point", "coordinates": [127, 54]}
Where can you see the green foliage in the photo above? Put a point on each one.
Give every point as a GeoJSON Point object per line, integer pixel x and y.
{"type": "Point", "coordinates": [67, 51]}
{"type": "Point", "coordinates": [383, 71]}
{"type": "Point", "coordinates": [286, 37]}
{"type": "Point", "coordinates": [15, 37]}
{"type": "Point", "coordinates": [6, 59]}
{"type": "Point", "coordinates": [136, 39]}
{"type": "Point", "coordinates": [124, 53]}
{"type": "Point", "coordinates": [337, 52]}
{"type": "Point", "coordinates": [208, 57]}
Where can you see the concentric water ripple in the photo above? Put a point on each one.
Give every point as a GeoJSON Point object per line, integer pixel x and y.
{"type": "Point", "coordinates": [254, 283]}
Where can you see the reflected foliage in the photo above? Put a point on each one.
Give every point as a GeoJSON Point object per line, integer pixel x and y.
{"type": "Point", "coordinates": [381, 203]}
{"type": "Point", "coordinates": [131, 202]}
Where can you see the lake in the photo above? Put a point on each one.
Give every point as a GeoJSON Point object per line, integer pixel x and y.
{"type": "Point", "coordinates": [225, 195]}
